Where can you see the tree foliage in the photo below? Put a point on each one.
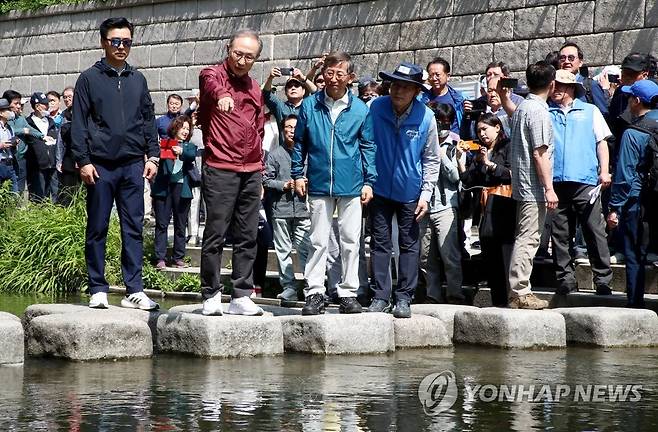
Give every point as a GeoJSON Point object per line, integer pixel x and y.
{"type": "Point", "coordinates": [27, 5]}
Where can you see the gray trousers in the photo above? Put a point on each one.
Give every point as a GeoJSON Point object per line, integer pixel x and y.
{"type": "Point", "coordinates": [289, 233]}
{"type": "Point", "coordinates": [574, 206]}
{"type": "Point", "coordinates": [530, 218]}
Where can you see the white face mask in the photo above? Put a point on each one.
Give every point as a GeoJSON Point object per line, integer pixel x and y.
{"type": "Point", "coordinates": [443, 134]}
{"type": "Point", "coordinates": [45, 113]}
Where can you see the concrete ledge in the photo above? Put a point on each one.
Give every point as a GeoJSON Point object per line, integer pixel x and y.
{"type": "Point", "coordinates": [444, 312]}
{"type": "Point", "coordinates": [185, 330]}
{"type": "Point", "coordinates": [11, 340]}
{"type": "Point", "coordinates": [363, 333]}
{"type": "Point", "coordinates": [421, 331]}
{"type": "Point", "coordinates": [611, 327]}
{"type": "Point", "coordinates": [509, 328]}
{"type": "Point", "coordinates": [90, 335]}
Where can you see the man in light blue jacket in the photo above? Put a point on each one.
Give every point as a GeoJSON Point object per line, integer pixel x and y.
{"type": "Point", "coordinates": [408, 163]}
{"type": "Point", "coordinates": [334, 138]}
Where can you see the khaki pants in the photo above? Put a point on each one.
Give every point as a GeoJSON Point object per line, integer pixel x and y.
{"type": "Point", "coordinates": [530, 218]}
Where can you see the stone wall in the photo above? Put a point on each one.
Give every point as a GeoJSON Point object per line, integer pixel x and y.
{"type": "Point", "coordinates": [175, 39]}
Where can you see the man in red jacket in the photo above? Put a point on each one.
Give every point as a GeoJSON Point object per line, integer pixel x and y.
{"type": "Point", "coordinates": [232, 120]}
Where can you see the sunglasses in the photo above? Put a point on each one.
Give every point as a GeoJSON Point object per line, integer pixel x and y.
{"type": "Point", "coordinates": [569, 57]}
{"type": "Point", "coordinates": [116, 42]}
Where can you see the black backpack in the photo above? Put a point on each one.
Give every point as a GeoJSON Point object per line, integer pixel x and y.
{"type": "Point", "coordinates": [649, 167]}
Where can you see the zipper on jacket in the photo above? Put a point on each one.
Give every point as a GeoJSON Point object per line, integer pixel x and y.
{"type": "Point", "coordinates": [331, 160]}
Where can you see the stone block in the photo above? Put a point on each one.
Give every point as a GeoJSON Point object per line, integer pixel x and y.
{"type": "Point", "coordinates": [373, 12]}
{"type": "Point", "coordinates": [494, 26]}
{"type": "Point", "coordinates": [534, 22]}
{"type": "Point", "coordinates": [233, 7]}
{"type": "Point", "coordinates": [598, 48]}
{"type": "Point", "coordinates": [288, 4]}
{"type": "Point", "coordinates": [538, 48]}
{"type": "Point", "coordinates": [421, 331]}
{"type": "Point", "coordinates": [644, 40]}
{"type": "Point", "coordinates": [11, 67]}
{"type": "Point", "coordinates": [618, 15]}
{"type": "Point", "coordinates": [610, 327]}
{"type": "Point", "coordinates": [350, 40]}
{"type": "Point", "coordinates": [515, 54]}
{"type": "Point", "coordinates": [651, 14]}
{"type": "Point", "coordinates": [185, 330]}
{"type": "Point", "coordinates": [542, 2]}
{"type": "Point", "coordinates": [382, 38]}
{"type": "Point", "coordinates": [389, 61]}
{"type": "Point", "coordinates": [32, 64]}
{"type": "Point", "coordinates": [295, 21]}
{"type": "Point", "coordinates": [505, 4]}
{"type": "Point", "coordinates": [88, 40]}
{"type": "Point", "coordinates": [444, 312]}
{"type": "Point", "coordinates": [11, 339]}
{"type": "Point", "coordinates": [462, 7]}
{"type": "Point", "coordinates": [510, 328]}
{"type": "Point", "coordinates": [455, 30]}
{"type": "Point", "coordinates": [149, 34]}
{"type": "Point", "coordinates": [209, 52]}
{"type": "Point", "coordinates": [172, 78]}
{"type": "Point", "coordinates": [348, 15]}
{"type": "Point", "coordinates": [39, 83]}
{"type": "Point", "coordinates": [90, 335]}
{"type": "Point", "coordinates": [272, 23]}
{"type": "Point", "coordinates": [21, 84]}
{"type": "Point", "coordinates": [163, 55]}
{"type": "Point", "coordinates": [285, 46]}
{"type": "Point", "coordinates": [365, 64]}
{"type": "Point", "coordinates": [313, 44]}
{"type": "Point", "coordinates": [184, 53]}
{"type": "Point", "coordinates": [423, 57]}
{"type": "Point", "coordinates": [435, 8]}
{"type": "Point", "coordinates": [90, 57]}
{"type": "Point", "coordinates": [152, 78]}
{"type": "Point", "coordinates": [68, 62]}
{"type": "Point", "coordinates": [471, 59]}
{"type": "Point", "coordinates": [364, 333]}
{"type": "Point", "coordinates": [159, 99]}
{"type": "Point", "coordinates": [575, 18]}
{"type": "Point", "coordinates": [8, 28]}
{"type": "Point", "coordinates": [192, 77]}
{"type": "Point", "coordinates": [165, 11]}
{"type": "Point", "coordinates": [58, 82]}
{"type": "Point", "coordinates": [402, 11]}
{"type": "Point", "coordinates": [323, 18]}
{"type": "Point", "coordinates": [418, 34]}
{"type": "Point", "coordinates": [143, 14]}
{"type": "Point", "coordinates": [7, 47]}
{"type": "Point", "coordinates": [140, 56]}
{"type": "Point", "coordinates": [209, 8]}
{"type": "Point", "coordinates": [184, 10]}
{"type": "Point", "coordinates": [255, 6]}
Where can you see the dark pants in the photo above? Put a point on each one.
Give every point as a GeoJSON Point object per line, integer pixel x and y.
{"type": "Point", "coordinates": [263, 240]}
{"type": "Point", "coordinates": [124, 184]}
{"type": "Point", "coordinates": [381, 217]}
{"type": "Point", "coordinates": [632, 232]}
{"type": "Point", "coordinates": [493, 259]}
{"type": "Point", "coordinates": [21, 173]}
{"type": "Point", "coordinates": [42, 184]}
{"type": "Point", "coordinates": [232, 199]}
{"type": "Point", "coordinates": [163, 208]}
{"type": "Point", "coordinates": [7, 173]}
{"type": "Point", "coordinates": [69, 183]}
{"type": "Point", "coordinates": [574, 206]}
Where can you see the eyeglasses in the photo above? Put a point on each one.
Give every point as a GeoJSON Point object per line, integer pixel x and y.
{"type": "Point", "coordinates": [249, 58]}
{"type": "Point", "coordinates": [339, 75]}
{"type": "Point", "coordinates": [435, 74]}
{"type": "Point", "coordinates": [289, 127]}
{"type": "Point", "coordinates": [116, 42]}
{"type": "Point", "coordinates": [569, 57]}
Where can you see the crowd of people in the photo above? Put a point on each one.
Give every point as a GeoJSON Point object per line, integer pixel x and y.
{"type": "Point", "coordinates": [559, 164]}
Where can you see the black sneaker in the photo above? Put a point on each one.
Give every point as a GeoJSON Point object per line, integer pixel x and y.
{"type": "Point", "coordinates": [402, 309]}
{"type": "Point", "coordinates": [603, 290]}
{"type": "Point", "coordinates": [349, 305]}
{"type": "Point", "coordinates": [566, 289]}
{"type": "Point", "coordinates": [314, 305]}
{"type": "Point", "coordinates": [379, 305]}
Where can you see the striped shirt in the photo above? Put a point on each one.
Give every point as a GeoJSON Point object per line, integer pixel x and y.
{"type": "Point", "coordinates": [531, 129]}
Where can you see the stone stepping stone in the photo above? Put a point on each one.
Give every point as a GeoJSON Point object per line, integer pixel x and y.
{"type": "Point", "coordinates": [363, 333]}
{"type": "Point", "coordinates": [11, 340]}
{"type": "Point", "coordinates": [511, 328]}
{"type": "Point", "coordinates": [185, 330]}
{"type": "Point", "coordinates": [89, 335]}
{"type": "Point", "coordinates": [610, 327]}
{"type": "Point", "coordinates": [421, 331]}
{"type": "Point", "coordinates": [444, 312]}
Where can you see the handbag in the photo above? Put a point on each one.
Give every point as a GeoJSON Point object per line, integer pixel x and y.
{"type": "Point", "coordinates": [195, 176]}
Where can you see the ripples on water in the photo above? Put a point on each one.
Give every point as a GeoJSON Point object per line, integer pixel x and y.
{"type": "Point", "coordinates": [305, 393]}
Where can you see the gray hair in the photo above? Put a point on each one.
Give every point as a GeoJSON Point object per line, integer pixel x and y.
{"type": "Point", "coordinates": [246, 33]}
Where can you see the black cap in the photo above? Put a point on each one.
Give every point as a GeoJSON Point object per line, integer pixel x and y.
{"type": "Point", "coordinates": [636, 62]}
{"type": "Point", "coordinates": [405, 72]}
{"type": "Point", "coordinates": [39, 98]}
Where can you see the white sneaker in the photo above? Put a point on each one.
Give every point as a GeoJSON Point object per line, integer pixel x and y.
{"type": "Point", "coordinates": [213, 305]}
{"type": "Point", "coordinates": [244, 306]}
{"type": "Point", "coordinates": [98, 301]}
{"type": "Point", "coordinates": [617, 258]}
{"type": "Point", "coordinates": [139, 301]}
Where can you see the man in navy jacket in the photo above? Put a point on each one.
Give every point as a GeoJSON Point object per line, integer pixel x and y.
{"type": "Point", "coordinates": [113, 132]}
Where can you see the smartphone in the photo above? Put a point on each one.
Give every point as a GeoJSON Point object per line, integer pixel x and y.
{"type": "Point", "coordinates": [509, 83]}
{"type": "Point", "coordinates": [613, 79]}
{"type": "Point", "coordinates": [286, 71]}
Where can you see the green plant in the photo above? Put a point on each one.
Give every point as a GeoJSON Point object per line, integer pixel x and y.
{"type": "Point", "coordinates": [24, 5]}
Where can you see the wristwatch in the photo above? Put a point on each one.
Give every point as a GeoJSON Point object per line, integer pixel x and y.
{"type": "Point", "coordinates": [155, 160]}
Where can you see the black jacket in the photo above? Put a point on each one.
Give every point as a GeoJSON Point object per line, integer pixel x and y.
{"type": "Point", "coordinates": [113, 117]}
{"type": "Point", "coordinates": [39, 155]}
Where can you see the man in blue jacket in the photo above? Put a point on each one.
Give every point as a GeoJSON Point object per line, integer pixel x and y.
{"type": "Point", "coordinates": [407, 161]}
{"type": "Point", "coordinates": [630, 188]}
{"type": "Point", "coordinates": [438, 71]}
{"type": "Point", "coordinates": [334, 137]}
{"type": "Point", "coordinates": [112, 133]}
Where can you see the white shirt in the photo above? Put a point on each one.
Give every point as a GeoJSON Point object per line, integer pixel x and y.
{"type": "Point", "coordinates": [336, 106]}
{"type": "Point", "coordinates": [601, 129]}
{"type": "Point", "coordinates": [42, 124]}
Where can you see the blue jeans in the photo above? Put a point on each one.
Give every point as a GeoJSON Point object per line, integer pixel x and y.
{"type": "Point", "coordinates": [124, 184]}
{"type": "Point", "coordinates": [7, 173]}
{"type": "Point", "coordinates": [632, 233]}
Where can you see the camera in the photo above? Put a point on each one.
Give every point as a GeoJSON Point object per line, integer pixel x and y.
{"type": "Point", "coordinates": [613, 79]}
{"type": "Point", "coordinates": [478, 107]}
{"type": "Point", "coordinates": [286, 71]}
{"type": "Point", "coordinates": [510, 83]}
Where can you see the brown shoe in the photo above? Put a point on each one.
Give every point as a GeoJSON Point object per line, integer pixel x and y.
{"type": "Point", "coordinates": [528, 301]}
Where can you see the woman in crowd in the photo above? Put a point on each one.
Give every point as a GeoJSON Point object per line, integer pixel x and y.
{"type": "Point", "coordinates": [172, 191]}
{"type": "Point", "coordinates": [491, 169]}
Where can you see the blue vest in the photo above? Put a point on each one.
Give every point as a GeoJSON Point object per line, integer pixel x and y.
{"type": "Point", "coordinates": [574, 154]}
{"type": "Point", "coordinates": [399, 156]}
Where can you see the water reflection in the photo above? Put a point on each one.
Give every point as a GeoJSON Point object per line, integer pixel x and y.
{"type": "Point", "coordinates": [306, 393]}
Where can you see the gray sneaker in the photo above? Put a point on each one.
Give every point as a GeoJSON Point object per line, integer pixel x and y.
{"type": "Point", "coordinates": [288, 294]}
{"type": "Point", "coordinates": [379, 305]}
{"type": "Point", "coordinates": [402, 309]}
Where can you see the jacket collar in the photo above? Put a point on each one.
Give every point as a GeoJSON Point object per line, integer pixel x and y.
{"type": "Point", "coordinates": [104, 67]}
{"type": "Point", "coordinates": [321, 98]}
{"type": "Point", "coordinates": [576, 105]}
{"type": "Point", "coordinates": [233, 77]}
